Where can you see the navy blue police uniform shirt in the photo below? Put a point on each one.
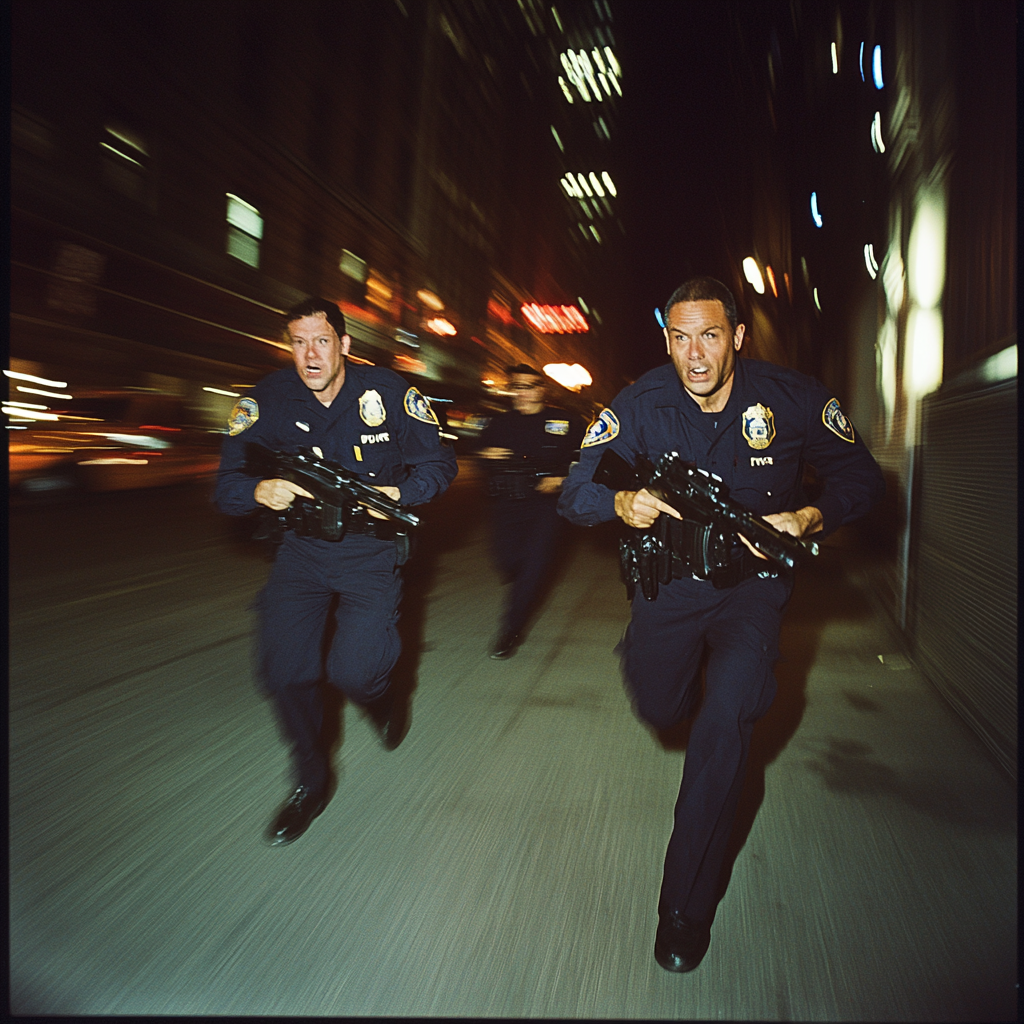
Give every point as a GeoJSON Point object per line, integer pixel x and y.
{"type": "Point", "coordinates": [377, 427]}
{"type": "Point", "coordinates": [775, 420]}
{"type": "Point", "coordinates": [549, 438]}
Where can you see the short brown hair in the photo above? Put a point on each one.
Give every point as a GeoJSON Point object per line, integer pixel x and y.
{"type": "Point", "coordinates": [316, 306]}
{"type": "Point", "coordinates": [704, 289]}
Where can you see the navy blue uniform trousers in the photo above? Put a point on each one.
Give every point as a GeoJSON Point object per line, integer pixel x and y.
{"type": "Point", "coordinates": [524, 533]}
{"type": "Point", "coordinates": [664, 642]}
{"type": "Point", "coordinates": [293, 610]}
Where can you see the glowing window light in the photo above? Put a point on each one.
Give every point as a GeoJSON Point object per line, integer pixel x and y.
{"type": "Point", "coordinates": [558, 22]}
{"type": "Point", "coordinates": [876, 67]}
{"type": "Point", "coordinates": [893, 278]}
{"type": "Point", "coordinates": [612, 62]}
{"type": "Point", "coordinates": [583, 305]}
{"type": "Point", "coordinates": [597, 185]}
{"type": "Point", "coordinates": [924, 350]}
{"type": "Point", "coordinates": [588, 71]}
{"type": "Point", "coordinates": [598, 59]}
{"type": "Point", "coordinates": [584, 185]}
{"type": "Point", "coordinates": [565, 89]}
{"type": "Point", "coordinates": [45, 394]}
{"type": "Point", "coordinates": [244, 216]}
{"type": "Point", "coordinates": [555, 319]}
{"type": "Point", "coordinates": [603, 79]}
{"type": "Point", "coordinates": [557, 139]}
{"type": "Point", "coordinates": [586, 209]}
{"type": "Point", "coordinates": [815, 216]}
{"type": "Point", "coordinates": [835, 60]}
{"type": "Point", "coordinates": [571, 377]}
{"type": "Point", "coordinates": [574, 72]}
{"type": "Point", "coordinates": [753, 275]}
{"type": "Point", "coordinates": [771, 280]}
{"type": "Point", "coordinates": [220, 391]}
{"type": "Point", "coordinates": [440, 326]}
{"type": "Point", "coordinates": [817, 301]}
{"type": "Point", "coordinates": [657, 316]}
{"type": "Point", "coordinates": [862, 62]}
{"type": "Point", "coordinates": [608, 183]}
{"type": "Point", "coordinates": [876, 133]}
{"type": "Point", "coordinates": [869, 260]}
{"type": "Point", "coordinates": [36, 380]}
{"type": "Point", "coordinates": [570, 189]}
{"type": "Point", "coordinates": [616, 86]}
{"type": "Point", "coordinates": [593, 231]}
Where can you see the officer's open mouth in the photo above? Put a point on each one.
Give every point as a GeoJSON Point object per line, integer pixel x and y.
{"type": "Point", "coordinates": [697, 373]}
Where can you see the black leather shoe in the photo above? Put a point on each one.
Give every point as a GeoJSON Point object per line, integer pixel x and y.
{"type": "Point", "coordinates": [681, 943]}
{"type": "Point", "coordinates": [507, 645]}
{"type": "Point", "coordinates": [295, 816]}
{"type": "Point", "coordinates": [389, 718]}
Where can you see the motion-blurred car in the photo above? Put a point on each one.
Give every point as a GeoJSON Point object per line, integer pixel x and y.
{"type": "Point", "coordinates": [106, 443]}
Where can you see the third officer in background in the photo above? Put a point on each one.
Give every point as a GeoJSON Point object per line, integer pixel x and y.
{"type": "Point", "coordinates": [529, 451]}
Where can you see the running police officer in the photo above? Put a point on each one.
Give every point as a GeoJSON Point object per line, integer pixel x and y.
{"type": "Point", "coordinates": [753, 424]}
{"type": "Point", "coordinates": [529, 449]}
{"type": "Point", "coordinates": [368, 420]}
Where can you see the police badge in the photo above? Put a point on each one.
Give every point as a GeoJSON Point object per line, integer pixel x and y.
{"type": "Point", "coordinates": [758, 426]}
{"type": "Point", "coordinates": [419, 408]}
{"type": "Point", "coordinates": [245, 413]}
{"type": "Point", "coordinates": [604, 428]}
{"type": "Point", "coordinates": [834, 418]}
{"type": "Point", "coordinates": [371, 409]}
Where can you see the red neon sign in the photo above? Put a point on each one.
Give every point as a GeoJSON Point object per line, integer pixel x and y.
{"type": "Point", "coordinates": [555, 319]}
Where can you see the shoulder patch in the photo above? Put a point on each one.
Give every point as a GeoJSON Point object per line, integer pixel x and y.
{"type": "Point", "coordinates": [245, 413]}
{"type": "Point", "coordinates": [602, 430]}
{"type": "Point", "coordinates": [419, 408]}
{"type": "Point", "coordinates": [834, 418]}
{"type": "Point", "coordinates": [371, 408]}
{"type": "Point", "coordinates": [556, 427]}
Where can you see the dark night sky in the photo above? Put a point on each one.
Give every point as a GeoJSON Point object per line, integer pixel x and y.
{"type": "Point", "coordinates": [685, 162]}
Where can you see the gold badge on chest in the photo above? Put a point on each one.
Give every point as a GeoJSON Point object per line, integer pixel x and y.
{"type": "Point", "coordinates": [758, 426]}
{"type": "Point", "coordinates": [371, 409]}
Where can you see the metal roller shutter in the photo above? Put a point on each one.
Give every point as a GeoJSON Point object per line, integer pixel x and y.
{"type": "Point", "coordinates": [963, 607]}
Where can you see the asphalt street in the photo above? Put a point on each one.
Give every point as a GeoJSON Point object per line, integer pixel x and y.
{"type": "Point", "coordinates": [505, 860]}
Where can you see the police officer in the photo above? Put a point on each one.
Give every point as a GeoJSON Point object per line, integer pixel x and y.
{"type": "Point", "coordinates": [368, 420]}
{"type": "Point", "coordinates": [753, 424]}
{"type": "Point", "coordinates": [529, 449]}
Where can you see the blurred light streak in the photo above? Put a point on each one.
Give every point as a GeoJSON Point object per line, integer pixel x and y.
{"type": "Point", "coordinates": [924, 350]}
{"type": "Point", "coordinates": [565, 89]}
{"type": "Point", "coordinates": [835, 60]}
{"type": "Point", "coordinates": [583, 305]}
{"type": "Point", "coordinates": [584, 185]}
{"type": "Point", "coordinates": [36, 380]}
{"type": "Point", "coordinates": [593, 231]}
{"type": "Point", "coordinates": [876, 67]}
{"type": "Point", "coordinates": [430, 300]}
{"type": "Point", "coordinates": [597, 185]}
{"type": "Point", "coordinates": [21, 414]}
{"type": "Point", "coordinates": [926, 251]}
{"type": "Point", "coordinates": [555, 319]}
{"type": "Point", "coordinates": [885, 364]}
{"type": "Point", "coordinates": [115, 462]}
{"type": "Point", "coordinates": [1001, 366]}
{"type": "Point", "coordinates": [117, 152]}
{"type": "Point", "coordinates": [657, 316]}
{"type": "Point", "coordinates": [218, 391]}
{"type": "Point", "coordinates": [771, 280]}
{"type": "Point", "coordinates": [753, 275]}
{"type": "Point", "coordinates": [27, 405]}
{"type": "Point", "coordinates": [876, 133]}
{"type": "Point", "coordinates": [869, 260]}
{"type": "Point", "coordinates": [862, 78]}
{"type": "Point", "coordinates": [609, 184]}
{"type": "Point", "coordinates": [244, 216]}
{"type": "Point", "coordinates": [440, 326]}
{"type": "Point", "coordinates": [557, 139]}
{"type": "Point", "coordinates": [571, 377]}
{"type": "Point", "coordinates": [817, 301]}
{"type": "Point", "coordinates": [893, 277]}
{"type": "Point", "coordinates": [815, 216]}
{"type": "Point", "coordinates": [45, 394]}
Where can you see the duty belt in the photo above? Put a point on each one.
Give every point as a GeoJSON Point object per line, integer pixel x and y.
{"type": "Point", "coordinates": [681, 548]}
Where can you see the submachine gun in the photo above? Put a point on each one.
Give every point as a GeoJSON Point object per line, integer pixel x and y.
{"type": "Point", "coordinates": [517, 476]}
{"type": "Point", "coordinates": [701, 543]}
{"type": "Point", "coordinates": [338, 503]}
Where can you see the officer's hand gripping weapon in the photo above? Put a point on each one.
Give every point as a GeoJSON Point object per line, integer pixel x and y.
{"type": "Point", "coordinates": [649, 556]}
{"type": "Point", "coordinates": [327, 481]}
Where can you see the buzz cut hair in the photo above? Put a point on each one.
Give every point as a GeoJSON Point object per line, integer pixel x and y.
{"type": "Point", "coordinates": [525, 370]}
{"type": "Point", "coordinates": [317, 306]}
{"type": "Point", "coordinates": [705, 289]}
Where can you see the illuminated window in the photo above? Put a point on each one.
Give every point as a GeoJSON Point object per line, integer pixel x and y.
{"type": "Point", "coordinates": [245, 229]}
